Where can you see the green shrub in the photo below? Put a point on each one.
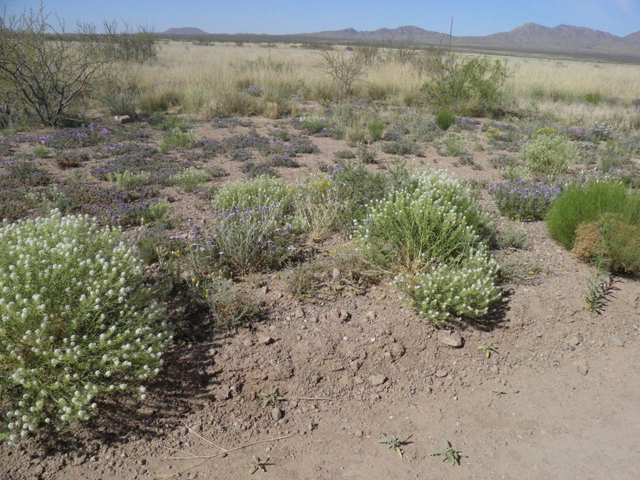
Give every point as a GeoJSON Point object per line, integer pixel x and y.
{"type": "Point", "coordinates": [468, 86]}
{"type": "Point", "coordinates": [432, 234]}
{"type": "Point", "coordinates": [190, 179]}
{"type": "Point", "coordinates": [578, 205]}
{"type": "Point", "coordinates": [313, 123]}
{"type": "Point", "coordinates": [345, 154]}
{"type": "Point", "coordinates": [376, 127]}
{"type": "Point", "coordinates": [549, 154]}
{"type": "Point", "coordinates": [128, 180]}
{"type": "Point", "coordinates": [177, 138]}
{"type": "Point", "coordinates": [593, 98]}
{"type": "Point", "coordinates": [444, 119]}
{"type": "Point", "coordinates": [261, 191]}
{"type": "Point", "coordinates": [76, 321]}
{"type": "Point", "coordinates": [121, 103]}
{"type": "Point", "coordinates": [454, 146]}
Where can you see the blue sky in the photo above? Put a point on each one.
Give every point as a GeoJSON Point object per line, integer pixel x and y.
{"type": "Point", "coordinates": [619, 17]}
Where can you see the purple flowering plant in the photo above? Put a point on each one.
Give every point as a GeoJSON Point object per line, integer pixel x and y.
{"type": "Point", "coordinates": [524, 201]}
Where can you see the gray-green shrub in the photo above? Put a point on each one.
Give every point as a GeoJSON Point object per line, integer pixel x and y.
{"type": "Point", "coordinates": [432, 235]}
{"type": "Point", "coordinates": [549, 154]}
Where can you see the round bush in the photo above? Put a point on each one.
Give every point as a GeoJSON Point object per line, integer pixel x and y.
{"type": "Point", "coordinates": [434, 236]}
{"type": "Point", "coordinates": [549, 154]}
{"type": "Point", "coordinates": [76, 321]}
{"type": "Point", "coordinates": [262, 191]}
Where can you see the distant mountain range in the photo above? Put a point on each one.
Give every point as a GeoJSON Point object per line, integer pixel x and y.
{"type": "Point", "coordinates": [530, 37]}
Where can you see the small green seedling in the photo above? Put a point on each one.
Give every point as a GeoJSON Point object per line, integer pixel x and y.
{"type": "Point", "coordinates": [451, 456]}
{"type": "Point", "coordinates": [395, 443]}
{"type": "Point", "coordinates": [258, 465]}
{"type": "Point", "coordinates": [488, 349]}
{"type": "Point", "coordinates": [271, 397]}
{"type": "Point", "coordinates": [499, 393]}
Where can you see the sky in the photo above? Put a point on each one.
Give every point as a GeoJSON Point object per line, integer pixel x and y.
{"type": "Point", "coordinates": [619, 17]}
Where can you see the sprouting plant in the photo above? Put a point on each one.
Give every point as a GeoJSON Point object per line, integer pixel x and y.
{"type": "Point", "coordinates": [598, 287]}
{"type": "Point", "coordinates": [258, 465]}
{"type": "Point", "coordinates": [488, 349]}
{"type": "Point", "coordinates": [395, 443]}
{"type": "Point", "coordinates": [271, 397]}
{"type": "Point", "coordinates": [451, 456]}
{"type": "Point", "coordinates": [498, 393]}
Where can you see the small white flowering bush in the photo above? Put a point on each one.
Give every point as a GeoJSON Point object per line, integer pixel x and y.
{"type": "Point", "coordinates": [262, 191]}
{"type": "Point", "coordinates": [549, 154]}
{"type": "Point", "coordinates": [76, 321]}
{"type": "Point", "coordinates": [433, 236]}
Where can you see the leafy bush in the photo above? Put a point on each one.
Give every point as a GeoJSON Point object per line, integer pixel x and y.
{"type": "Point", "coordinates": [345, 154]}
{"type": "Point", "coordinates": [593, 98]}
{"type": "Point", "coordinates": [454, 146]}
{"type": "Point", "coordinates": [313, 123]}
{"type": "Point", "coordinates": [128, 180]}
{"type": "Point", "coordinates": [43, 69]}
{"type": "Point", "coordinates": [524, 201]}
{"type": "Point", "coordinates": [444, 119]}
{"type": "Point", "coordinates": [468, 86]}
{"type": "Point", "coordinates": [177, 138]}
{"type": "Point", "coordinates": [432, 233]}
{"type": "Point", "coordinates": [77, 321]}
{"type": "Point", "coordinates": [121, 103]}
{"type": "Point", "coordinates": [578, 205]}
{"type": "Point", "coordinates": [549, 154]}
{"type": "Point", "coordinates": [376, 127]}
{"type": "Point", "coordinates": [400, 147]}
{"type": "Point", "coordinates": [191, 179]}
{"type": "Point", "coordinates": [261, 191]}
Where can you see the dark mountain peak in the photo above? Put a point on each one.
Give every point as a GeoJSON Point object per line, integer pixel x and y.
{"type": "Point", "coordinates": [184, 31]}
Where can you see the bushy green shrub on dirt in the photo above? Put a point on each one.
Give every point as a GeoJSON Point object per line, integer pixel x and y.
{"type": "Point", "coordinates": [549, 154]}
{"type": "Point", "coordinates": [466, 86]}
{"type": "Point", "coordinates": [444, 119]}
{"type": "Point", "coordinates": [261, 191]}
{"type": "Point", "coordinates": [76, 321]}
{"type": "Point", "coordinates": [432, 235]}
{"type": "Point", "coordinates": [600, 220]}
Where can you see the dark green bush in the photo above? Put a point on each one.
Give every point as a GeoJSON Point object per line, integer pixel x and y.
{"type": "Point", "coordinates": [444, 119]}
{"type": "Point", "coordinates": [578, 205]}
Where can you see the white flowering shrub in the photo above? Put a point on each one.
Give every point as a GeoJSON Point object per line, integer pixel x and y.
{"type": "Point", "coordinates": [76, 320]}
{"type": "Point", "coordinates": [262, 191]}
{"type": "Point", "coordinates": [450, 291]}
{"type": "Point", "coordinates": [433, 236]}
{"type": "Point", "coordinates": [549, 154]}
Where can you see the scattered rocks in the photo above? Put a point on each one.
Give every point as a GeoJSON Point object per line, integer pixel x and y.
{"type": "Point", "coordinates": [376, 380]}
{"type": "Point", "coordinates": [122, 119]}
{"type": "Point", "coordinates": [618, 340]}
{"type": "Point", "coordinates": [276, 414]}
{"type": "Point", "coordinates": [371, 315]}
{"type": "Point", "coordinates": [575, 340]}
{"type": "Point", "coordinates": [299, 313]}
{"type": "Point", "coordinates": [582, 367]}
{"type": "Point", "coordinates": [266, 340]}
{"type": "Point", "coordinates": [441, 373]}
{"type": "Point", "coordinates": [452, 339]}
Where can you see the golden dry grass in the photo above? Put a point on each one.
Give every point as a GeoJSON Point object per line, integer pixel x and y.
{"type": "Point", "coordinates": [210, 76]}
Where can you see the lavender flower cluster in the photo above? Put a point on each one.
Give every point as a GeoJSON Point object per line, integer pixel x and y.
{"type": "Point", "coordinates": [85, 136]}
{"type": "Point", "coordinates": [602, 132]}
{"type": "Point", "coordinates": [254, 90]}
{"type": "Point", "coordinates": [160, 168]}
{"type": "Point", "coordinates": [524, 201]}
{"type": "Point", "coordinates": [24, 172]}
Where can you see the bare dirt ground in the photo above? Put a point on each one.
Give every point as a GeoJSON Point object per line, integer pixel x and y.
{"type": "Point", "coordinates": [557, 398]}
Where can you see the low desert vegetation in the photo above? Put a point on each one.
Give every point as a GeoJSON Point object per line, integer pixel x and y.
{"type": "Point", "coordinates": [320, 172]}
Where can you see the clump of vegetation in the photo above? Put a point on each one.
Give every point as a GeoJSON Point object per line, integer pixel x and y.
{"type": "Point", "coordinates": [432, 235]}
{"type": "Point", "coordinates": [549, 154]}
{"type": "Point", "coordinates": [470, 86]}
{"type": "Point", "coordinates": [395, 444]}
{"type": "Point", "coordinates": [448, 454]}
{"type": "Point", "coordinates": [261, 191]}
{"type": "Point", "coordinates": [191, 179]}
{"type": "Point", "coordinates": [600, 220]}
{"type": "Point", "coordinates": [444, 119]}
{"type": "Point", "coordinates": [77, 318]}
{"type": "Point", "coordinates": [524, 201]}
